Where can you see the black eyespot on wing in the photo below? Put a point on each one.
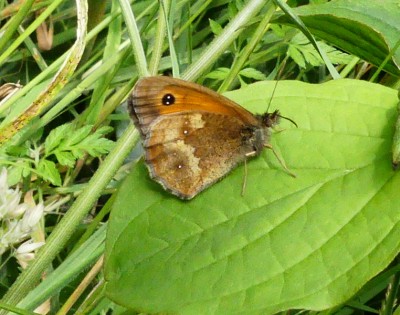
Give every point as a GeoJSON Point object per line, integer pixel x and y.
{"type": "Point", "coordinates": [168, 99]}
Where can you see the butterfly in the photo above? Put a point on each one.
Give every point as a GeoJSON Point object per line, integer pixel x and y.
{"type": "Point", "coordinates": [193, 136]}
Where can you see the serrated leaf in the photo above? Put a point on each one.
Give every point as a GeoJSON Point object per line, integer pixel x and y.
{"type": "Point", "coordinates": [335, 55]}
{"type": "Point", "coordinates": [65, 158]}
{"type": "Point", "coordinates": [253, 74]}
{"type": "Point", "coordinates": [55, 137]}
{"type": "Point", "coordinates": [78, 152]}
{"type": "Point", "coordinates": [104, 130]}
{"type": "Point", "coordinates": [77, 136]}
{"type": "Point", "coordinates": [101, 146]}
{"type": "Point", "coordinates": [218, 74]}
{"type": "Point", "coordinates": [297, 56]}
{"type": "Point", "coordinates": [48, 171]}
{"type": "Point", "coordinates": [81, 142]}
{"type": "Point", "coordinates": [309, 242]}
{"type": "Point", "coordinates": [215, 27]}
{"type": "Point", "coordinates": [303, 52]}
{"type": "Point", "coordinates": [95, 145]}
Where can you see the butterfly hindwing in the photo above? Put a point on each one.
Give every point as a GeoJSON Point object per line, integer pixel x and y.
{"type": "Point", "coordinates": [186, 153]}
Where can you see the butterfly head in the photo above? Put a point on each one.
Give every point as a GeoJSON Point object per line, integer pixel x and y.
{"type": "Point", "coordinates": [270, 120]}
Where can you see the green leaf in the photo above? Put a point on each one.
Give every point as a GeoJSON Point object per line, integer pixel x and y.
{"type": "Point", "coordinates": [368, 29]}
{"type": "Point", "coordinates": [20, 150]}
{"type": "Point", "coordinates": [296, 54]}
{"type": "Point", "coordinates": [289, 243]}
{"type": "Point", "coordinates": [55, 137]}
{"type": "Point", "coordinates": [94, 145]}
{"type": "Point", "coordinates": [215, 27]}
{"type": "Point", "coordinates": [48, 171]}
{"type": "Point", "coordinates": [77, 136]}
{"type": "Point", "coordinates": [16, 173]}
{"type": "Point", "coordinates": [218, 74]}
{"type": "Point", "coordinates": [302, 52]}
{"type": "Point", "coordinates": [65, 158]}
{"type": "Point", "coordinates": [78, 142]}
{"type": "Point", "coordinates": [104, 130]}
{"type": "Point", "coordinates": [253, 74]}
{"type": "Point", "coordinates": [99, 147]}
{"type": "Point", "coordinates": [78, 152]}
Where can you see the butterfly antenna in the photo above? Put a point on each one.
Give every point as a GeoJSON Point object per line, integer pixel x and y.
{"type": "Point", "coordinates": [272, 96]}
{"type": "Point", "coordinates": [287, 118]}
{"type": "Point", "coordinates": [276, 82]}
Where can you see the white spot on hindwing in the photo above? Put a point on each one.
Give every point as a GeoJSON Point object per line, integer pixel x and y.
{"type": "Point", "coordinates": [183, 156]}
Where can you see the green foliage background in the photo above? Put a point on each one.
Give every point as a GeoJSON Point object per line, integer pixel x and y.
{"type": "Point", "coordinates": [325, 241]}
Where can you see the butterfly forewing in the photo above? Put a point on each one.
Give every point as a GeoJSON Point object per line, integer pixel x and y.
{"type": "Point", "coordinates": [146, 102]}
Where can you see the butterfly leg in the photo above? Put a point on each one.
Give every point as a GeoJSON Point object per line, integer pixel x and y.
{"type": "Point", "coordinates": [278, 129]}
{"type": "Point", "coordinates": [282, 162]}
{"type": "Point", "coordinates": [248, 154]}
{"type": "Point", "coordinates": [251, 154]}
{"type": "Point", "coordinates": [244, 178]}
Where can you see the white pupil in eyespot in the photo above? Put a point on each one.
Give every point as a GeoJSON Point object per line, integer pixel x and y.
{"type": "Point", "coordinates": [168, 99]}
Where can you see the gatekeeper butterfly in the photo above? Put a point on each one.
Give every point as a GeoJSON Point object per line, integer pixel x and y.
{"type": "Point", "coordinates": [193, 136]}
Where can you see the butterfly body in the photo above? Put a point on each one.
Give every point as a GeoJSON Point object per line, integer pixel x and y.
{"type": "Point", "coordinates": [192, 136]}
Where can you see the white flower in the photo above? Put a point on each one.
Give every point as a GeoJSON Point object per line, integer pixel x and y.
{"type": "Point", "coordinates": [28, 246]}
{"type": "Point", "coordinates": [9, 198]}
{"type": "Point", "coordinates": [32, 217]}
{"type": "Point", "coordinates": [3, 179]}
{"type": "Point", "coordinates": [17, 219]}
{"type": "Point", "coordinates": [24, 253]}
